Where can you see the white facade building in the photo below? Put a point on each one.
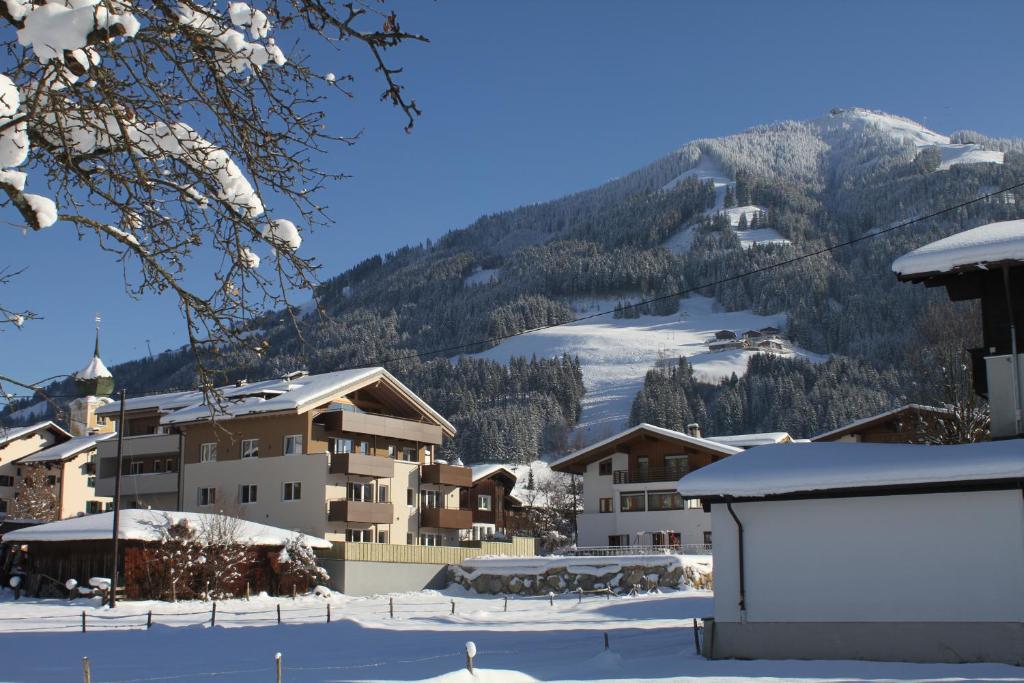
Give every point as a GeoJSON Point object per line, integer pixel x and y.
{"type": "Point", "coordinates": [867, 551]}
{"type": "Point", "coordinates": [629, 480]}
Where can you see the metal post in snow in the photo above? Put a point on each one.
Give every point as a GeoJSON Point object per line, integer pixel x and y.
{"type": "Point", "coordinates": [328, 613]}
{"type": "Point", "coordinates": [279, 615]}
{"type": "Point", "coordinates": [213, 615]}
{"type": "Point", "coordinates": [149, 620]}
{"type": "Point", "coordinates": [391, 607]}
{"type": "Point", "coordinates": [453, 607]}
{"type": "Point", "coordinates": [83, 621]}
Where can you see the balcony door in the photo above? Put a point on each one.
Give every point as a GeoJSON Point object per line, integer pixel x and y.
{"type": "Point", "coordinates": [643, 468]}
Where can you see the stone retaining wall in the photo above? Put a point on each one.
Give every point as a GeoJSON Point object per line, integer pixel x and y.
{"type": "Point", "coordinates": [540, 576]}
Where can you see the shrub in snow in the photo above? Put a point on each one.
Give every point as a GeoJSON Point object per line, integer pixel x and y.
{"type": "Point", "coordinates": [297, 567]}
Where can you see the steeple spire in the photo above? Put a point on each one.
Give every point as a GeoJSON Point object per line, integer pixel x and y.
{"type": "Point", "coordinates": [94, 379]}
{"type": "Point", "coordinates": [96, 352]}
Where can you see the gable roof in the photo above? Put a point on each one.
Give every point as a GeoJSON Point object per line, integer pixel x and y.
{"type": "Point", "coordinates": [296, 394]}
{"type": "Point", "coordinates": [64, 451]}
{"type": "Point", "coordinates": [832, 469]}
{"type": "Point", "coordinates": [485, 471]}
{"type": "Point", "coordinates": [751, 440]}
{"type": "Point", "coordinates": [576, 462]}
{"type": "Point", "coordinates": [880, 418]}
{"type": "Point", "coordinates": [9, 434]}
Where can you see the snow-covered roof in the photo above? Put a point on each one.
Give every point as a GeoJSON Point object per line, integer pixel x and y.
{"type": "Point", "coordinates": [146, 525]}
{"type": "Point", "coordinates": [9, 434]}
{"type": "Point", "coordinates": [64, 451]}
{"type": "Point", "coordinates": [819, 467]}
{"type": "Point", "coordinates": [289, 393]}
{"type": "Point", "coordinates": [591, 452]}
{"type": "Point", "coordinates": [751, 440]}
{"type": "Point", "coordinates": [94, 370]}
{"type": "Point", "coordinates": [880, 417]}
{"type": "Point", "coordinates": [991, 243]}
{"type": "Point", "coordinates": [484, 471]}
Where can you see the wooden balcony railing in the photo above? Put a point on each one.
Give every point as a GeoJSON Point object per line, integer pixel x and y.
{"type": "Point", "coordinates": [358, 511]}
{"type": "Point", "coordinates": [648, 474]}
{"type": "Point", "coordinates": [445, 518]}
{"type": "Point", "coordinates": [447, 475]}
{"type": "Point", "coordinates": [363, 465]}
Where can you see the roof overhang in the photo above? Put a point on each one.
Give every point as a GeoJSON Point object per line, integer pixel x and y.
{"type": "Point", "coordinates": [957, 486]}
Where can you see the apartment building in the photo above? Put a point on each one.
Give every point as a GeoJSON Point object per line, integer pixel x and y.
{"type": "Point", "coordinates": [629, 488]}
{"type": "Point", "coordinates": [346, 456]}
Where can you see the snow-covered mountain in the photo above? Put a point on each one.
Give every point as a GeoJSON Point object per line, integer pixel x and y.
{"type": "Point", "coordinates": [690, 220]}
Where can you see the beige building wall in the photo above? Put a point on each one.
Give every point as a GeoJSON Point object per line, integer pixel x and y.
{"type": "Point", "coordinates": [14, 450]}
{"type": "Point", "coordinates": [75, 491]}
{"type": "Point", "coordinates": [308, 514]}
{"type": "Point", "coordinates": [83, 420]}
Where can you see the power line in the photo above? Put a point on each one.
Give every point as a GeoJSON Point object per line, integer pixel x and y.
{"type": "Point", "coordinates": [731, 278]}
{"type": "Point", "coordinates": [679, 293]}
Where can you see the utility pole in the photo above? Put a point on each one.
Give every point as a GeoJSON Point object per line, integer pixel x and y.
{"type": "Point", "coordinates": [117, 498]}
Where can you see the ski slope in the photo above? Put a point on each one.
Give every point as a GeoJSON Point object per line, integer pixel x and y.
{"type": "Point", "coordinates": [616, 353]}
{"type": "Point", "coordinates": [906, 129]}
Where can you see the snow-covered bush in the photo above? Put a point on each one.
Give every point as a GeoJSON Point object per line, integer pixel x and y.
{"type": "Point", "coordinates": [297, 567]}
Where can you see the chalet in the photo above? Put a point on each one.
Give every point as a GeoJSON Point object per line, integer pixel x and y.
{"type": "Point", "coordinates": [745, 441]}
{"type": "Point", "coordinates": [726, 345]}
{"type": "Point", "coordinates": [629, 480]}
{"type": "Point", "coordinates": [770, 345]}
{"type": "Point", "coordinates": [912, 423]}
{"type": "Point", "coordinates": [347, 456]}
{"type": "Point", "coordinates": [985, 263]}
{"type": "Point", "coordinates": [80, 549]}
{"type": "Point", "coordinates": [491, 500]}
{"type": "Point", "coordinates": [725, 334]}
{"type": "Point", "coordinates": [838, 551]}
{"type": "Point", "coordinates": [752, 334]}
{"type": "Point", "coordinates": [770, 331]}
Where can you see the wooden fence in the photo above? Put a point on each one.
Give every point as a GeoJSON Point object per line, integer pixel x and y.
{"type": "Point", "coordinates": [424, 554]}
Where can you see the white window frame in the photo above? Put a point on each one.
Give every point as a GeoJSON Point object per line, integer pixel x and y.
{"type": "Point", "coordinates": [338, 444]}
{"type": "Point", "coordinates": [431, 539]}
{"type": "Point", "coordinates": [208, 452]}
{"type": "Point", "coordinates": [430, 499]}
{"type": "Point", "coordinates": [364, 495]}
{"type": "Point", "coordinates": [293, 439]}
{"type": "Point", "coordinates": [135, 465]}
{"type": "Point", "coordinates": [247, 494]}
{"type": "Point", "coordinates": [291, 490]}
{"type": "Point", "coordinates": [406, 450]}
{"type": "Point", "coordinates": [481, 498]}
{"type": "Point", "coordinates": [382, 493]}
{"type": "Point", "coordinates": [365, 535]}
{"type": "Point", "coordinates": [211, 496]}
{"type": "Point", "coordinates": [250, 448]}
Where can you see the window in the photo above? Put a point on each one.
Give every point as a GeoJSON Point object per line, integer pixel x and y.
{"type": "Point", "coordinates": [135, 467]}
{"type": "Point", "coordinates": [92, 507]}
{"type": "Point", "coordinates": [250, 448]}
{"type": "Point", "coordinates": [247, 493]}
{"type": "Point", "coordinates": [91, 482]}
{"type": "Point", "coordinates": [604, 468]}
{"type": "Point", "coordinates": [707, 538]}
{"type": "Point", "coordinates": [360, 492]}
{"type": "Point", "coordinates": [392, 451]}
{"type": "Point", "coordinates": [6, 480]}
{"type": "Point", "coordinates": [364, 447]}
{"type": "Point", "coordinates": [410, 497]}
{"type": "Point", "coordinates": [206, 496]}
{"type": "Point", "coordinates": [292, 490]}
{"type": "Point", "coordinates": [158, 466]}
{"type": "Point", "coordinates": [427, 454]}
{"type": "Point", "coordinates": [208, 452]}
{"type": "Point", "coordinates": [665, 500]}
{"type": "Point", "coordinates": [172, 465]}
{"type": "Point", "coordinates": [342, 445]}
{"type": "Point", "coordinates": [694, 504]}
{"type": "Point", "coordinates": [409, 539]}
{"type": "Point", "coordinates": [293, 444]}
{"type": "Point", "coordinates": [108, 507]}
{"type": "Point", "coordinates": [382, 493]}
{"type": "Point", "coordinates": [359, 535]}
{"type": "Point", "coordinates": [430, 539]}
{"type": "Point", "coordinates": [409, 454]}
{"type": "Point", "coordinates": [605, 505]}
{"type": "Point", "coordinates": [677, 465]}
{"type": "Point", "coordinates": [51, 480]}
{"type": "Point", "coordinates": [632, 502]}
{"type": "Point", "coordinates": [430, 499]}
{"type": "Point", "coordinates": [483, 502]}
{"type": "Point", "coordinates": [3, 506]}
{"type": "Point", "coordinates": [382, 537]}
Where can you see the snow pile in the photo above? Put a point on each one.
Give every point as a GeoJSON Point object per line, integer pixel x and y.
{"type": "Point", "coordinates": [478, 566]}
{"type": "Point", "coordinates": [53, 28]}
{"type": "Point", "coordinates": [991, 243]}
{"type": "Point", "coordinates": [147, 525]}
{"type": "Point", "coordinates": [237, 54]}
{"type": "Point", "coordinates": [791, 468]}
{"type": "Point", "coordinates": [282, 233]}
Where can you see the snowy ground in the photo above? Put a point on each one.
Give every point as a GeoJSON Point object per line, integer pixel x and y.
{"type": "Point", "coordinates": [616, 353]}
{"type": "Point", "coordinates": [650, 638]}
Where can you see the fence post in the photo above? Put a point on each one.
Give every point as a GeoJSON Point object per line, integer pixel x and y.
{"type": "Point", "coordinates": [391, 607]}
{"type": "Point", "coordinates": [294, 591]}
{"type": "Point", "coordinates": [606, 640]}
{"type": "Point", "coordinates": [277, 660]}
{"type": "Point", "coordinates": [506, 603]}
{"type": "Point", "coordinates": [453, 607]}
{"type": "Point", "coordinates": [551, 598]}
{"type": "Point", "coordinates": [247, 590]}
{"type": "Point", "coordinates": [279, 618]}
{"type": "Point", "coordinates": [579, 593]}
{"type": "Point", "coordinates": [328, 613]}
{"type": "Point", "coordinates": [83, 621]}
{"type": "Point", "coordinates": [696, 636]}
{"type": "Point", "coordinates": [213, 615]}
{"type": "Point", "coordinates": [149, 620]}
{"type": "Point", "coordinates": [470, 653]}
{"type": "Point", "coordinates": [86, 673]}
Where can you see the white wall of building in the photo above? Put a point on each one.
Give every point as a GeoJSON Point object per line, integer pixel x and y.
{"type": "Point", "coordinates": [595, 527]}
{"type": "Point", "coordinates": [940, 557]}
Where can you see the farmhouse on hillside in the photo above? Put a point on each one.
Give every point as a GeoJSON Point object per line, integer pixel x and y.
{"type": "Point", "coordinates": [912, 423]}
{"type": "Point", "coordinates": [894, 552]}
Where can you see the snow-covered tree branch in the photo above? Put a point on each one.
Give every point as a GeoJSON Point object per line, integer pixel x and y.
{"type": "Point", "coordinates": [162, 129]}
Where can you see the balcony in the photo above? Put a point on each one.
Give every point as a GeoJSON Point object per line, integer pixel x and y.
{"type": "Point", "coordinates": [444, 518]}
{"type": "Point", "coordinates": [358, 511]}
{"type": "Point", "coordinates": [362, 465]}
{"type": "Point", "coordinates": [381, 425]}
{"type": "Point", "coordinates": [141, 484]}
{"type": "Point", "coordinates": [649, 474]}
{"type": "Point", "coordinates": [447, 475]}
{"type": "Point", "coordinates": [148, 444]}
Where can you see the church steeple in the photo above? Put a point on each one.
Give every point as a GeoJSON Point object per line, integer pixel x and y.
{"type": "Point", "coordinates": [94, 379]}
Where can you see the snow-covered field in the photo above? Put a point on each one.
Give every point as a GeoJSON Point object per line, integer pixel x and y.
{"type": "Point", "coordinates": [650, 638]}
{"type": "Point", "coordinates": [616, 353]}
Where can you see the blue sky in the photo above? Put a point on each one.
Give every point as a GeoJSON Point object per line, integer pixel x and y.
{"type": "Point", "coordinates": [529, 100]}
